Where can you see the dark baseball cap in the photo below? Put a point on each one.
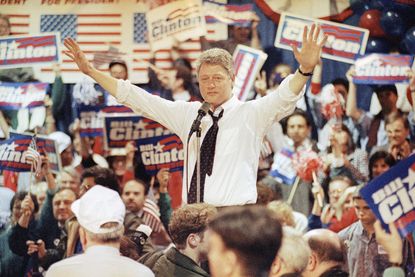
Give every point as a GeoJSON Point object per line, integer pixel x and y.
{"type": "Point", "coordinates": [115, 62]}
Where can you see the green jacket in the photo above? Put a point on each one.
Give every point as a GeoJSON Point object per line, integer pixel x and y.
{"type": "Point", "coordinates": [172, 263]}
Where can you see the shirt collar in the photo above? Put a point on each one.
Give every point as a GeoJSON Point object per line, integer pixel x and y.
{"type": "Point", "coordinates": [230, 103]}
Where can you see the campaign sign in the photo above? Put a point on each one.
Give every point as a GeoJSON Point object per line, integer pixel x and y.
{"type": "Point", "coordinates": [112, 106]}
{"type": "Point", "coordinates": [161, 152]}
{"type": "Point", "coordinates": [391, 196]}
{"type": "Point", "coordinates": [45, 146]}
{"type": "Point", "coordinates": [382, 69]}
{"type": "Point", "coordinates": [345, 43]}
{"type": "Point", "coordinates": [282, 169]}
{"type": "Point", "coordinates": [122, 128]}
{"type": "Point", "coordinates": [16, 96]}
{"type": "Point", "coordinates": [247, 63]}
{"type": "Point", "coordinates": [27, 50]}
{"type": "Point", "coordinates": [90, 121]}
{"type": "Point", "coordinates": [228, 14]}
{"type": "Point", "coordinates": [178, 20]}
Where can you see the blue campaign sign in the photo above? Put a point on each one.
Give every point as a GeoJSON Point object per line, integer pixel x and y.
{"type": "Point", "coordinates": [391, 196]}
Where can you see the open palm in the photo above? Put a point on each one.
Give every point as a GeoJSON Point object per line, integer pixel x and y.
{"type": "Point", "coordinates": [75, 54]}
{"type": "Point", "coordinates": [309, 55]}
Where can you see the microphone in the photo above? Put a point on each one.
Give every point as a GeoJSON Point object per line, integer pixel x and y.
{"type": "Point", "coordinates": [200, 114]}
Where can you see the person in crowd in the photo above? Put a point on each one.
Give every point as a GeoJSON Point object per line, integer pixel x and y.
{"type": "Point", "coordinates": [343, 158]}
{"type": "Point", "coordinates": [161, 195]}
{"type": "Point", "coordinates": [188, 232]}
{"type": "Point", "coordinates": [70, 178]}
{"type": "Point", "coordinates": [98, 175]}
{"type": "Point", "coordinates": [380, 162]}
{"type": "Point", "coordinates": [235, 241]}
{"type": "Point", "coordinates": [65, 148]}
{"type": "Point", "coordinates": [39, 190]}
{"type": "Point", "coordinates": [6, 196]}
{"type": "Point", "coordinates": [287, 217]}
{"type": "Point", "coordinates": [142, 210]}
{"type": "Point", "coordinates": [364, 256]}
{"type": "Point", "coordinates": [293, 256]}
{"type": "Point", "coordinates": [397, 131]}
{"type": "Point", "coordinates": [100, 213]}
{"type": "Point", "coordinates": [215, 78]}
{"type": "Point", "coordinates": [327, 258]}
{"type": "Point", "coordinates": [121, 161]}
{"type": "Point", "coordinates": [11, 264]}
{"type": "Point", "coordinates": [338, 213]}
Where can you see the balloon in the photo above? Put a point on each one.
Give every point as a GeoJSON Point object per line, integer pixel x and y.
{"type": "Point", "coordinates": [377, 45]}
{"type": "Point", "coordinates": [359, 7]}
{"type": "Point", "coordinates": [371, 20]}
{"type": "Point", "coordinates": [393, 24]}
{"type": "Point", "coordinates": [409, 40]}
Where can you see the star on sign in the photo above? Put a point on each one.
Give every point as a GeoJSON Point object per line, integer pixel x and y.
{"type": "Point", "coordinates": [410, 179]}
{"type": "Point", "coordinates": [140, 125]}
{"type": "Point", "coordinates": [11, 147]}
{"type": "Point", "coordinates": [158, 147]}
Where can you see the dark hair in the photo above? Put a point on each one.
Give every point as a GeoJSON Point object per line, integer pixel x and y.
{"type": "Point", "coordinates": [183, 62]}
{"type": "Point", "coordinates": [192, 218]}
{"type": "Point", "coordinates": [20, 196]}
{"type": "Point", "coordinates": [141, 182]}
{"type": "Point", "coordinates": [380, 155]}
{"type": "Point", "coordinates": [102, 176]}
{"type": "Point", "coordinates": [382, 88]}
{"type": "Point", "coordinates": [297, 112]}
{"type": "Point", "coordinates": [350, 144]}
{"type": "Point", "coordinates": [182, 72]}
{"type": "Point", "coordinates": [341, 81]}
{"type": "Point", "coordinates": [118, 62]}
{"type": "Point", "coordinates": [326, 250]}
{"type": "Point", "coordinates": [252, 233]}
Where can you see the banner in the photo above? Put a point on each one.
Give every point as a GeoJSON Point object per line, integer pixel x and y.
{"type": "Point", "coordinates": [345, 43]}
{"type": "Point", "coordinates": [391, 196]}
{"type": "Point", "coordinates": [178, 20]}
{"type": "Point", "coordinates": [12, 152]}
{"type": "Point", "coordinates": [247, 64]}
{"type": "Point", "coordinates": [228, 14]}
{"type": "Point", "coordinates": [282, 169]}
{"type": "Point", "coordinates": [19, 51]}
{"type": "Point", "coordinates": [382, 69]}
{"type": "Point", "coordinates": [106, 30]}
{"type": "Point", "coordinates": [16, 96]}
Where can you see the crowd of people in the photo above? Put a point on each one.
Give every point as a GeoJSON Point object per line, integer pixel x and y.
{"type": "Point", "coordinates": [108, 217]}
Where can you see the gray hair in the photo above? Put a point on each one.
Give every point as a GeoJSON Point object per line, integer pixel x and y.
{"type": "Point", "coordinates": [216, 56]}
{"type": "Point", "coordinates": [114, 234]}
{"type": "Point", "coordinates": [294, 251]}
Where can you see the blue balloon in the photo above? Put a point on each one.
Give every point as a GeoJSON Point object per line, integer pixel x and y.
{"type": "Point", "coordinates": [393, 24]}
{"type": "Point", "coordinates": [377, 45]}
{"type": "Point", "coordinates": [409, 41]}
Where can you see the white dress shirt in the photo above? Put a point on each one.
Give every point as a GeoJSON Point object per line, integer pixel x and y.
{"type": "Point", "coordinates": [99, 260]}
{"type": "Point", "coordinates": [241, 131]}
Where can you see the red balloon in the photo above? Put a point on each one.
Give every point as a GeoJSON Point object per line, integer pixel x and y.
{"type": "Point", "coordinates": [371, 20]}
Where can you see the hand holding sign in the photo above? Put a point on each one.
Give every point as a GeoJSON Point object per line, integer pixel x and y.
{"type": "Point", "coordinates": [309, 55]}
{"type": "Point", "coordinates": [392, 242]}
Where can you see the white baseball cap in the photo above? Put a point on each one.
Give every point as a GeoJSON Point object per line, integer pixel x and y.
{"type": "Point", "coordinates": [62, 139]}
{"type": "Point", "coordinates": [99, 205]}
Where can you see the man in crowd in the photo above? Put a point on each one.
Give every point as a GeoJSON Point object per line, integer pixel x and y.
{"type": "Point", "coordinates": [188, 231]}
{"type": "Point", "coordinates": [100, 212]}
{"type": "Point", "coordinates": [293, 256]}
{"type": "Point", "coordinates": [327, 258]}
{"type": "Point", "coordinates": [242, 123]}
{"type": "Point", "coordinates": [236, 246]}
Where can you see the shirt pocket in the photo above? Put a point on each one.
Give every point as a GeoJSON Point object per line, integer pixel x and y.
{"type": "Point", "coordinates": [230, 142]}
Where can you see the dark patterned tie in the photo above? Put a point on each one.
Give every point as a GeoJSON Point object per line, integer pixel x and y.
{"type": "Point", "coordinates": [207, 155]}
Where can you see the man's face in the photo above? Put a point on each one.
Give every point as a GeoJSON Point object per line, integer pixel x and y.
{"type": "Point", "coordinates": [216, 255]}
{"type": "Point", "coordinates": [62, 205]}
{"type": "Point", "coordinates": [379, 167]}
{"type": "Point", "coordinates": [67, 156]}
{"type": "Point", "coordinates": [387, 100]}
{"type": "Point", "coordinates": [396, 132]}
{"type": "Point", "coordinates": [67, 181]}
{"type": "Point", "coordinates": [336, 189]}
{"type": "Point", "coordinates": [297, 129]}
{"type": "Point", "coordinates": [133, 196]}
{"type": "Point", "coordinates": [4, 28]}
{"type": "Point", "coordinates": [17, 210]}
{"type": "Point", "coordinates": [215, 84]}
{"type": "Point", "coordinates": [363, 212]}
{"type": "Point", "coordinates": [119, 72]}
{"type": "Point", "coordinates": [241, 34]}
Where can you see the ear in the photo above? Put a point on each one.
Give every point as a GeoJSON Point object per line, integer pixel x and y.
{"type": "Point", "coordinates": [275, 267]}
{"type": "Point", "coordinates": [312, 262]}
{"type": "Point", "coordinates": [231, 262]}
{"type": "Point", "coordinates": [83, 238]}
{"type": "Point", "coordinates": [193, 240]}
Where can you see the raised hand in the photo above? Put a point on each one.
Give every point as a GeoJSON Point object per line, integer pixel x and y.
{"type": "Point", "coordinates": [75, 54]}
{"type": "Point", "coordinates": [391, 242]}
{"type": "Point", "coordinates": [309, 55]}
